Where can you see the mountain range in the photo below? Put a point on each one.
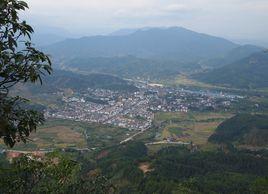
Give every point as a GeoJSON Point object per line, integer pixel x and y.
{"type": "Point", "coordinates": [157, 53]}
{"type": "Point", "coordinates": [174, 43]}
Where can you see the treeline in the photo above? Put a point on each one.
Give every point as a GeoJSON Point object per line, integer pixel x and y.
{"type": "Point", "coordinates": [55, 173]}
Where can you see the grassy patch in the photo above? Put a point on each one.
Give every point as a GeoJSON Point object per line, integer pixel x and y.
{"type": "Point", "coordinates": [165, 133]}
{"type": "Point", "coordinates": [57, 136]}
{"type": "Point", "coordinates": [188, 127]}
{"type": "Point", "coordinates": [185, 81]}
{"type": "Point", "coordinates": [58, 133]}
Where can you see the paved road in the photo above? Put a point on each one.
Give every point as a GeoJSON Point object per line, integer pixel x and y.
{"type": "Point", "coordinates": [43, 151]}
{"type": "Point", "coordinates": [132, 137]}
{"type": "Point", "coordinates": [168, 142]}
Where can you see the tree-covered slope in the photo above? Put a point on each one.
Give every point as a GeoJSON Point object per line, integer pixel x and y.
{"type": "Point", "coordinates": [66, 79]}
{"type": "Point", "coordinates": [250, 72]}
{"type": "Point", "coordinates": [130, 66]}
{"type": "Point", "coordinates": [132, 168]}
{"type": "Point", "coordinates": [234, 55]}
{"type": "Point", "coordinates": [245, 129]}
{"type": "Point", "coordinates": [176, 169]}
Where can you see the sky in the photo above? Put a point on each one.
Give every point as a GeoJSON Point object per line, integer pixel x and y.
{"type": "Point", "coordinates": [237, 19]}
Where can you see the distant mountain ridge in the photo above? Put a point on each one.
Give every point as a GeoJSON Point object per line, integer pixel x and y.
{"type": "Point", "coordinates": [161, 52]}
{"type": "Point", "coordinates": [47, 35]}
{"type": "Point", "coordinates": [174, 43]}
{"type": "Point", "coordinates": [123, 32]}
{"type": "Point", "coordinates": [46, 39]}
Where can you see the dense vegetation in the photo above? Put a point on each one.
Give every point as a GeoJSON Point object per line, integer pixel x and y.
{"type": "Point", "coordinates": [234, 55]}
{"type": "Point", "coordinates": [233, 172]}
{"type": "Point", "coordinates": [118, 169]}
{"type": "Point", "coordinates": [178, 170]}
{"type": "Point", "coordinates": [250, 72]}
{"type": "Point", "coordinates": [54, 173]}
{"type": "Point", "coordinates": [66, 79]}
{"type": "Point", "coordinates": [243, 129]}
{"type": "Point", "coordinates": [20, 62]}
{"type": "Point", "coordinates": [130, 66]}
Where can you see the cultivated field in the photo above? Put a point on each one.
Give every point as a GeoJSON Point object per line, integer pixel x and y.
{"type": "Point", "coordinates": [187, 127]}
{"type": "Point", "coordinates": [57, 133]}
{"type": "Point", "coordinates": [58, 137]}
{"type": "Point", "coordinates": [55, 136]}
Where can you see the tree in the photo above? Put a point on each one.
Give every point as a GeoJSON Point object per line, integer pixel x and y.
{"type": "Point", "coordinates": [20, 62]}
{"type": "Point", "coordinates": [53, 173]}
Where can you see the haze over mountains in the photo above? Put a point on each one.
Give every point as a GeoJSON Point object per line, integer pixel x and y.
{"type": "Point", "coordinates": [47, 35]}
{"type": "Point", "coordinates": [160, 53]}
{"type": "Point", "coordinates": [173, 43]}
{"type": "Point", "coordinates": [232, 56]}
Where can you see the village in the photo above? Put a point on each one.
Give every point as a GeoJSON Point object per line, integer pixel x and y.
{"type": "Point", "coordinates": [135, 110]}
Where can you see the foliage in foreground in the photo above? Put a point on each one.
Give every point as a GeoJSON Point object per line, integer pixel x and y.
{"type": "Point", "coordinates": [19, 62]}
{"type": "Point", "coordinates": [55, 173]}
{"type": "Point", "coordinates": [116, 170]}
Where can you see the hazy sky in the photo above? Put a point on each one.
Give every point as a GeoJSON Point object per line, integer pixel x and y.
{"type": "Point", "coordinates": [228, 18]}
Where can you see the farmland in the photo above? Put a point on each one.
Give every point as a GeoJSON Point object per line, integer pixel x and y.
{"type": "Point", "coordinates": [189, 127]}
{"type": "Point", "coordinates": [58, 134]}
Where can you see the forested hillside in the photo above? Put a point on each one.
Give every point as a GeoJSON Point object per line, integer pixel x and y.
{"type": "Point", "coordinates": [234, 55]}
{"type": "Point", "coordinates": [131, 168]}
{"type": "Point", "coordinates": [250, 72]}
{"type": "Point", "coordinates": [66, 79]}
{"type": "Point", "coordinates": [130, 66]}
{"type": "Point", "coordinates": [245, 129]}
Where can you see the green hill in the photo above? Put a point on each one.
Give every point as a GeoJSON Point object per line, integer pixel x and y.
{"type": "Point", "coordinates": [243, 129]}
{"type": "Point", "coordinates": [130, 66]}
{"type": "Point", "coordinates": [66, 79]}
{"type": "Point", "coordinates": [250, 72]}
{"type": "Point", "coordinates": [234, 55]}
